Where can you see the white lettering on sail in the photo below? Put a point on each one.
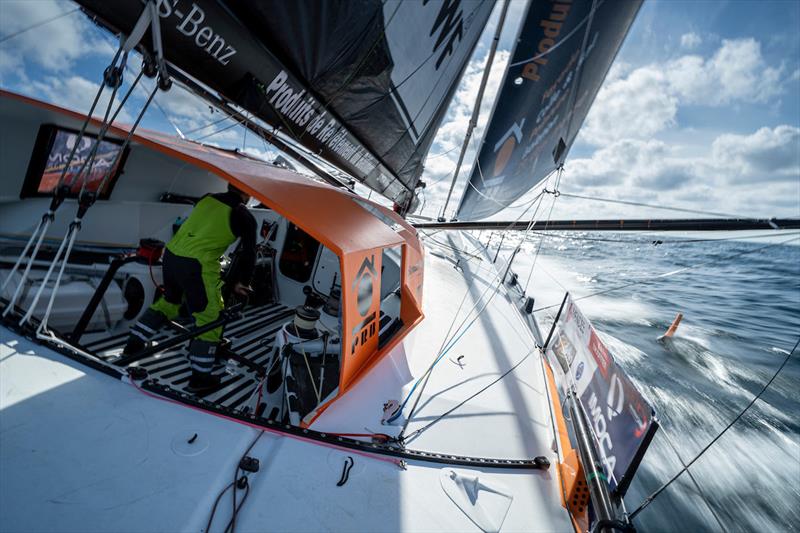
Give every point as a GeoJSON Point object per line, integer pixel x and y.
{"type": "Point", "coordinates": [204, 37]}
{"type": "Point", "coordinates": [293, 104]}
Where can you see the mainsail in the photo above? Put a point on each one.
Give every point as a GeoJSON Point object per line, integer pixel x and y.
{"type": "Point", "coordinates": [562, 54]}
{"type": "Point", "coordinates": [364, 85]}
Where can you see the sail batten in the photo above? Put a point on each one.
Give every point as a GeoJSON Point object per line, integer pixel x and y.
{"type": "Point", "coordinates": [562, 54]}
{"type": "Point", "coordinates": [362, 84]}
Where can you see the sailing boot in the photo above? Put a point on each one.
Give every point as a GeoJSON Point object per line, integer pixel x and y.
{"type": "Point", "coordinates": [144, 330]}
{"type": "Point", "coordinates": [206, 368]}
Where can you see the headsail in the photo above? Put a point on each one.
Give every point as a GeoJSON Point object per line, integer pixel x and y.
{"type": "Point", "coordinates": [562, 55]}
{"type": "Point", "coordinates": [364, 85]}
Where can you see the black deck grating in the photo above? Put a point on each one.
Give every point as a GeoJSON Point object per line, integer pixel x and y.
{"type": "Point", "coordinates": [252, 336]}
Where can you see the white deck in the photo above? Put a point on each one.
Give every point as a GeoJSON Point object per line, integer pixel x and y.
{"type": "Point", "coordinates": [80, 451]}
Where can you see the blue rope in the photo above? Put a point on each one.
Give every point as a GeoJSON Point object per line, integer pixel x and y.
{"type": "Point", "coordinates": [430, 369]}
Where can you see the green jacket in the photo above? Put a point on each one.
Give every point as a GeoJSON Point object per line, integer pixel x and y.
{"type": "Point", "coordinates": [214, 224]}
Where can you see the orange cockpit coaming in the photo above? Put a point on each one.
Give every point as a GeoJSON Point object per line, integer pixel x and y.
{"type": "Point", "coordinates": [356, 230]}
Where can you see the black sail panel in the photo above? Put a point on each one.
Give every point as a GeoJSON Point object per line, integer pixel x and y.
{"type": "Point", "coordinates": [561, 58]}
{"type": "Point", "coordinates": [361, 83]}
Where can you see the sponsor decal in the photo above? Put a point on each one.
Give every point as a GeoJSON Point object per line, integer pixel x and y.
{"type": "Point", "coordinates": [289, 100]}
{"type": "Point", "coordinates": [449, 27]}
{"type": "Point", "coordinates": [579, 371]}
{"type": "Point", "coordinates": [619, 415]}
{"type": "Point", "coordinates": [600, 353]}
{"type": "Point", "coordinates": [190, 20]}
{"type": "Point", "coordinates": [363, 286]}
{"type": "Point", "coordinates": [554, 73]}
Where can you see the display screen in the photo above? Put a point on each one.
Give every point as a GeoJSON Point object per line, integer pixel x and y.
{"type": "Point", "coordinates": [51, 157]}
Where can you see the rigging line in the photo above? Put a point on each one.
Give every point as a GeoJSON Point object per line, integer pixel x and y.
{"type": "Point", "coordinates": [491, 283]}
{"type": "Point", "coordinates": [694, 481]}
{"type": "Point", "coordinates": [501, 204]}
{"type": "Point", "coordinates": [171, 123]}
{"type": "Point", "coordinates": [155, 102]}
{"type": "Point", "coordinates": [658, 491]}
{"type": "Point", "coordinates": [439, 418]}
{"type": "Point", "coordinates": [476, 111]}
{"type": "Point", "coordinates": [105, 125]}
{"type": "Point", "coordinates": [457, 336]}
{"type": "Point", "coordinates": [433, 117]}
{"type": "Point", "coordinates": [37, 24]}
{"type": "Point", "coordinates": [471, 255]}
{"type": "Point", "coordinates": [557, 282]}
{"type": "Point", "coordinates": [559, 43]}
{"type": "Point", "coordinates": [442, 350]}
{"type": "Point", "coordinates": [233, 484]}
{"type": "Point", "coordinates": [579, 70]}
{"type": "Point", "coordinates": [434, 156]}
{"type": "Point", "coordinates": [214, 123]}
{"type": "Point", "coordinates": [229, 126]}
{"type": "Point", "coordinates": [232, 523]}
{"type": "Point", "coordinates": [75, 226]}
{"type": "Point", "coordinates": [673, 272]}
{"type": "Point", "coordinates": [547, 223]}
{"type": "Point", "coordinates": [667, 208]}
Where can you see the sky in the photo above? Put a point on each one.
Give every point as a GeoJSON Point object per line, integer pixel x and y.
{"type": "Point", "coordinates": [701, 109]}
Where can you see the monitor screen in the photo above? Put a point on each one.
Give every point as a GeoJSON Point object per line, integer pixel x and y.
{"type": "Point", "coordinates": [51, 156]}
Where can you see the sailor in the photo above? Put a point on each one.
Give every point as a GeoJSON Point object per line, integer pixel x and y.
{"type": "Point", "coordinates": [191, 269]}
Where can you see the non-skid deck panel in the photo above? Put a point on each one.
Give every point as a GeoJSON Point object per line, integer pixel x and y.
{"type": "Point", "coordinates": [109, 346]}
{"type": "Point", "coordinates": [252, 336]}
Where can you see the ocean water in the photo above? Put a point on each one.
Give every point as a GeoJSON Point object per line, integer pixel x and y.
{"type": "Point", "coordinates": [741, 317]}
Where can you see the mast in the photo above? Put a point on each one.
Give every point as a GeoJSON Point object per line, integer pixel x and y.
{"type": "Point", "coordinates": [473, 121]}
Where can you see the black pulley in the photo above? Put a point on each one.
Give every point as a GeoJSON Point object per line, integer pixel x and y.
{"type": "Point", "coordinates": [149, 67]}
{"type": "Point", "coordinates": [112, 77]}
{"type": "Point", "coordinates": [164, 83]}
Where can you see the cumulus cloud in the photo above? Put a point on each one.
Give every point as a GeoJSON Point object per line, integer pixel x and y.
{"type": "Point", "coordinates": [187, 109]}
{"type": "Point", "coordinates": [690, 40]}
{"type": "Point", "coordinates": [638, 105]}
{"type": "Point", "coordinates": [55, 46]}
{"type": "Point", "coordinates": [634, 106]}
{"type": "Point", "coordinates": [730, 177]}
{"type": "Point", "coordinates": [737, 72]}
{"type": "Point", "coordinates": [766, 155]}
{"type": "Point", "coordinates": [645, 101]}
{"type": "Point", "coordinates": [76, 93]}
{"type": "Point", "coordinates": [639, 163]}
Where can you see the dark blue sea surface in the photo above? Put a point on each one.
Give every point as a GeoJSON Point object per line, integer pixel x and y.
{"type": "Point", "coordinates": [741, 317]}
